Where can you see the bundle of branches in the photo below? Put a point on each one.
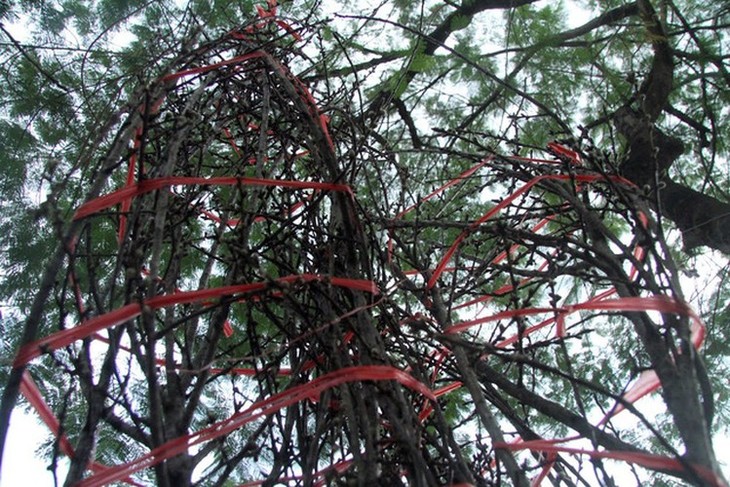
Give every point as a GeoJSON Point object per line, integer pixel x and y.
{"type": "Point", "coordinates": [229, 267]}
{"type": "Point", "coordinates": [261, 293]}
{"type": "Point", "coordinates": [528, 297]}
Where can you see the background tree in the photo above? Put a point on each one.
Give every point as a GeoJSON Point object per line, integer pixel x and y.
{"type": "Point", "coordinates": [287, 243]}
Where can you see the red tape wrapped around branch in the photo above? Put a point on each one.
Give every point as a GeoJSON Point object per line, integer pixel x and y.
{"type": "Point", "coordinates": [580, 178]}
{"type": "Point", "coordinates": [33, 396]}
{"type": "Point", "coordinates": [148, 185]}
{"type": "Point", "coordinates": [648, 460]}
{"type": "Point", "coordinates": [133, 310]}
{"type": "Point", "coordinates": [211, 67]}
{"type": "Point", "coordinates": [262, 408]}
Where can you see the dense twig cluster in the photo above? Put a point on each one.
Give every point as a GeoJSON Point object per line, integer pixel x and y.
{"type": "Point", "coordinates": [253, 247]}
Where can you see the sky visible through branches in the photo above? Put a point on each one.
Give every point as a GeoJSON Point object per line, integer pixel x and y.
{"type": "Point", "coordinates": [705, 267]}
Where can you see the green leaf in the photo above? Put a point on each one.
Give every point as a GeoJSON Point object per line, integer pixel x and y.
{"type": "Point", "coordinates": [460, 22]}
{"type": "Point", "coordinates": [421, 62]}
{"type": "Point", "coordinates": [14, 160]}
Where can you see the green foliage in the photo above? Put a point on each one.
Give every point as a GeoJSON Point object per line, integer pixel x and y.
{"type": "Point", "coordinates": [421, 62]}
{"type": "Point", "coordinates": [17, 143]}
{"type": "Point", "coordinates": [518, 85]}
{"type": "Point", "coordinates": [25, 244]}
{"type": "Point", "coordinates": [460, 22]}
{"type": "Point", "coordinates": [716, 351]}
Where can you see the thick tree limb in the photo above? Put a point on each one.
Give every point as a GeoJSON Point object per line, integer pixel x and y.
{"type": "Point", "coordinates": [560, 39]}
{"type": "Point", "coordinates": [427, 44]}
{"type": "Point", "coordinates": [658, 84]}
{"type": "Point", "coordinates": [702, 219]}
{"type": "Point", "coordinates": [650, 152]}
{"type": "Point", "coordinates": [552, 409]}
{"type": "Point", "coordinates": [667, 343]}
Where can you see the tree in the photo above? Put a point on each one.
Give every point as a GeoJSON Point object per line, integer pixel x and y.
{"type": "Point", "coordinates": [283, 247]}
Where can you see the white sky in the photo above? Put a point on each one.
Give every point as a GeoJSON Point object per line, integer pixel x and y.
{"type": "Point", "coordinates": [20, 464]}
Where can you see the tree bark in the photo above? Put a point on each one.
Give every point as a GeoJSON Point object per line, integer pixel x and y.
{"type": "Point", "coordinates": [427, 45]}
{"type": "Point", "coordinates": [702, 219]}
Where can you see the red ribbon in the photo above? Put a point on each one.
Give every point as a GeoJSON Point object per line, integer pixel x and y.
{"type": "Point", "coordinates": [262, 408]}
{"type": "Point", "coordinates": [149, 185]}
{"type": "Point", "coordinates": [130, 311]}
